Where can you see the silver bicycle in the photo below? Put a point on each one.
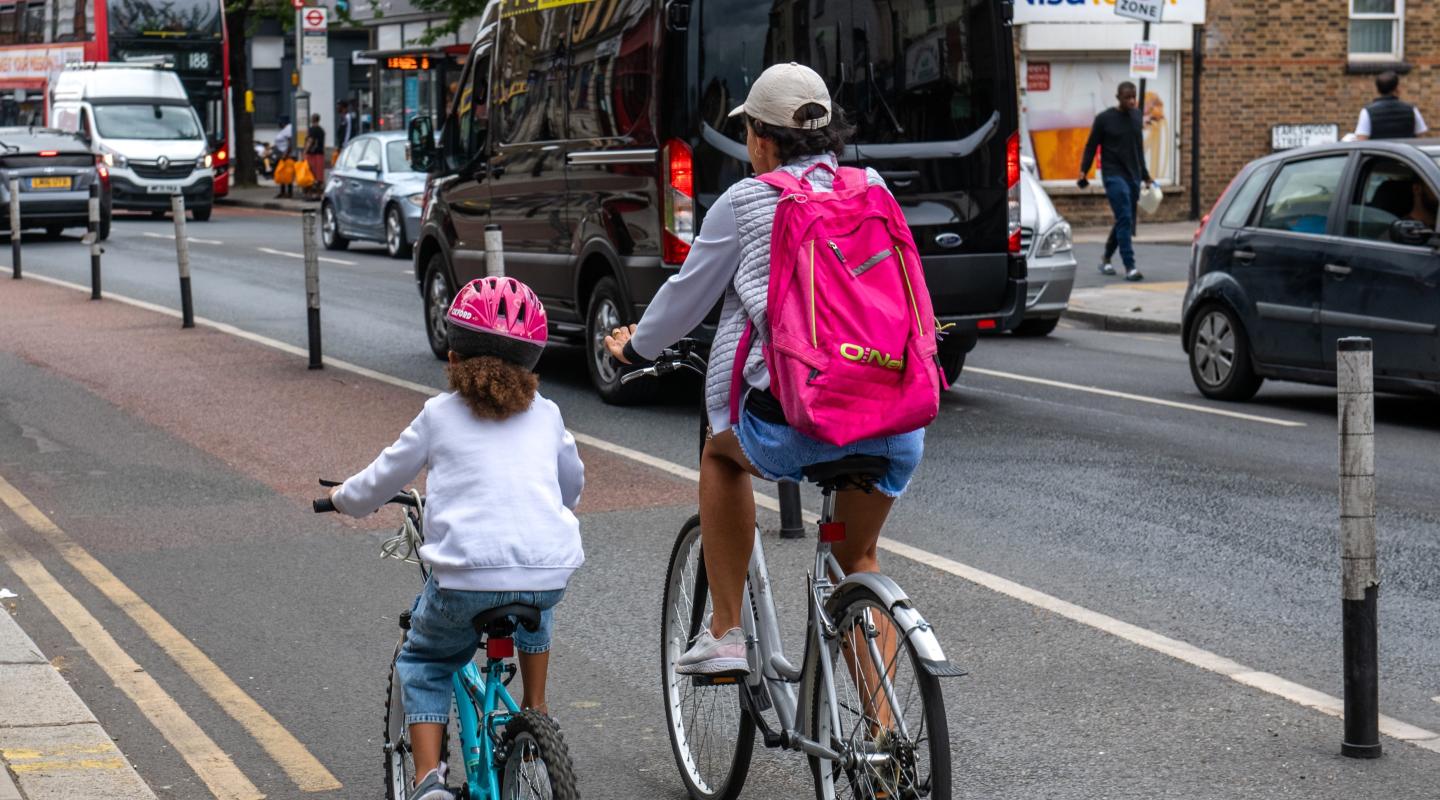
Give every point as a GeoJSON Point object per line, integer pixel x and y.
{"type": "Point", "coordinates": [864, 705]}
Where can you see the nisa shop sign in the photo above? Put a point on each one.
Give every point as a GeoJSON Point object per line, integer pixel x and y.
{"type": "Point", "coordinates": [1027, 11]}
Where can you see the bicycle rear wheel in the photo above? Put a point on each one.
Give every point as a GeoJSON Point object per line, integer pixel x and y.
{"type": "Point", "coordinates": [711, 731]}
{"type": "Point", "coordinates": [892, 732]}
{"type": "Point", "coordinates": [537, 762]}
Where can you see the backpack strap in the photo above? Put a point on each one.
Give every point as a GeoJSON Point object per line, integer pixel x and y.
{"type": "Point", "coordinates": [737, 374]}
{"type": "Point", "coordinates": [782, 180]}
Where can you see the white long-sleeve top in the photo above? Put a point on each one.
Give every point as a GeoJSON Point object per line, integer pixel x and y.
{"type": "Point", "coordinates": [500, 496]}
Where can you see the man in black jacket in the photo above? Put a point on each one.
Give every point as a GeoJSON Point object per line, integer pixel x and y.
{"type": "Point", "coordinates": [1118, 134]}
{"type": "Point", "coordinates": [1389, 117]}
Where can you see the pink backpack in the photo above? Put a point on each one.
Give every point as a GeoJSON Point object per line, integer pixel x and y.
{"type": "Point", "coordinates": [851, 350]}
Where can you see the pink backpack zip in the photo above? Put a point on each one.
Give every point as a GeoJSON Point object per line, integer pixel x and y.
{"type": "Point", "coordinates": [851, 345]}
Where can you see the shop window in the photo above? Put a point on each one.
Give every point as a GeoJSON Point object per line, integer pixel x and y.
{"type": "Point", "coordinates": [1377, 30]}
{"type": "Point", "coordinates": [10, 15]}
{"type": "Point", "coordinates": [1300, 198]}
{"type": "Point", "coordinates": [71, 21]}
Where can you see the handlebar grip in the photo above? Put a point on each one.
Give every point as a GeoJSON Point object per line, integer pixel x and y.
{"type": "Point", "coordinates": [327, 482]}
{"type": "Point", "coordinates": [323, 505]}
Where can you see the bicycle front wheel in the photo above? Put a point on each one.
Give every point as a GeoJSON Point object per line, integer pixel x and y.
{"type": "Point", "coordinates": [537, 762]}
{"type": "Point", "coordinates": [889, 722]}
{"type": "Point", "coordinates": [711, 731]}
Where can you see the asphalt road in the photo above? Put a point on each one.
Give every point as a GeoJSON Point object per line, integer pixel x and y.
{"type": "Point", "coordinates": [1211, 529]}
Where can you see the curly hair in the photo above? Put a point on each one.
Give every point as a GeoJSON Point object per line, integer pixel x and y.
{"type": "Point", "coordinates": [493, 388]}
{"type": "Point", "coordinates": [793, 143]}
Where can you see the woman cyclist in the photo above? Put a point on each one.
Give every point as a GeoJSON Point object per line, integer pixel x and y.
{"type": "Point", "coordinates": [791, 126]}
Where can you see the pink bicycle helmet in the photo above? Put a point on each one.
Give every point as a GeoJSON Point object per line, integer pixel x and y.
{"type": "Point", "coordinates": [498, 317]}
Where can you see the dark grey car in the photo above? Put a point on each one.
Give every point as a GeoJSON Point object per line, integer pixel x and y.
{"type": "Point", "coordinates": [54, 171]}
{"type": "Point", "coordinates": [1309, 246]}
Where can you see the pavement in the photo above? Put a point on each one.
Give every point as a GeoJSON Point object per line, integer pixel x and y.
{"type": "Point", "coordinates": [264, 196]}
{"type": "Point", "coordinates": [51, 745]}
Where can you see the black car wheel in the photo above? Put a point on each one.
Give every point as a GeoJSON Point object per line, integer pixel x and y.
{"type": "Point", "coordinates": [952, 352]}
{"type": "Point", "coordinates": [54, 231]}
{"type": "Point", "coordinates": [438, 295]}
{"type": "Point", "coordinates": [1037, 327]}
{"type": "Point", "coordinates": [1220, 356]}
{"type": "Point", "coordinates": [330, 229]}
{"type": "Point", "coordinates": [395, 243]}
{"type": "Point", "coordinates": [202, 213]}
{"type": "Point", "coordinates": [607, 312]}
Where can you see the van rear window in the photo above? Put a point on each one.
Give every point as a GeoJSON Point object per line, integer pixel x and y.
{"type": "Point", "coordinates": [905, 70]}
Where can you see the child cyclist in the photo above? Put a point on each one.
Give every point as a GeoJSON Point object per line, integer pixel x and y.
{"type": "Point", "coordinates": [499, 524]}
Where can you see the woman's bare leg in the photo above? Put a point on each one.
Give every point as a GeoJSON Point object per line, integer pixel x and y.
{"type": "Point", "coordinates": [727, 526]}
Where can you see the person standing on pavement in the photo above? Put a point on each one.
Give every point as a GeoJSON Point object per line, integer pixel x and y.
{"type": "Point", "coordinates": [344, 125]}
{"type": "Point", "coordinates": [1387, 116]}
{"type": "Point", "coordinates": [315, 156]}
{"type": "Point", "coordinates": [1119, 135]}
{"type": "Point", "coordinates": [284, 170]}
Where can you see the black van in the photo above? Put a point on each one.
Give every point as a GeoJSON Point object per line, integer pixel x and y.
{"type": "Point", "coordinates": [594, 133]}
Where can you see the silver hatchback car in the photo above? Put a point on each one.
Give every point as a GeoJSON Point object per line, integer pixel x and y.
{"type": "Point", "coordinates": [372, 194]}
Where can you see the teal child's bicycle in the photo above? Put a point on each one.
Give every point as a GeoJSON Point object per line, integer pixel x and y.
{"type": "Point", "coordinates": [508, 753]}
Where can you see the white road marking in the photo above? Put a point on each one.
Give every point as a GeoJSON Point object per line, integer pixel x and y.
{"type": "Point", "coordinates": [326, 259]}
{"type": "Point", "coordinates": [171, 237]}
{"type": "Point", "coordinates": [1183, 651]}
{"type": "Point", "coordinates": [1139, 398]}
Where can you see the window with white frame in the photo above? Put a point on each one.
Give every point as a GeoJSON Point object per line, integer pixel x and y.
{"type": "Point", "coordinates": [1377, 30]}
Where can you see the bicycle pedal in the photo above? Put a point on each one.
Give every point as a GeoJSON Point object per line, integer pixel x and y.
{"type": "Point", "coordinates": [716, 680]}
{"type": "Point", "coordinates": [405, 620]}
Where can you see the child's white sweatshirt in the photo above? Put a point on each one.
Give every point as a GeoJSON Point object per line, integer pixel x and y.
{"type": "Point", "coordinates": [499, 496]}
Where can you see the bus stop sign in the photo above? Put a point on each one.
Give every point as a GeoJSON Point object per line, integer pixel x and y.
{"type": "Point", "coordinates": [1143, 10]}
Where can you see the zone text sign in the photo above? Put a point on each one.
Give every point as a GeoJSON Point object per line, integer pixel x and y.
{"type": "Point", "coordinates": [1143, 10]}
{"type": "Point", "coordinates": [1099, 11]}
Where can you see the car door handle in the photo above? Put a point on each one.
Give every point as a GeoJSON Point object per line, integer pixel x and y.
{"type": "Point", "coordinates": [1244, 256]}
{"type": "Point", "coordinates": [1337, 269]}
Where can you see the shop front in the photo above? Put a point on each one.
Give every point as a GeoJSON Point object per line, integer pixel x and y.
{"type": "Point", "coordinates": [25, 74]}
{"type": "Point", "coordinates": [1073, 55]}
{"type": "Point", "coordinates": [412, 82]}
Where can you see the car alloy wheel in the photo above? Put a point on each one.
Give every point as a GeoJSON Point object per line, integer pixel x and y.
{"type": "Point", "coordinates": [1214, 348]}
{"type": "Point", "coordinates": [437, 307]}
{"type": "Point", "coordinates": [606, 319]}
{"type": "Point", "coordinates": [395, 243]}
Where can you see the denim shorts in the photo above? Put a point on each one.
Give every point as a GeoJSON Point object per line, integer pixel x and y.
{"type": "Point", "coordinates": [780, 451]}
{"type": "Point", "coordinates": [441, 641]}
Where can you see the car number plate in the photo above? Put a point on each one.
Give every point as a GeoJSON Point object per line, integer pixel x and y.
{"type": "Point", "coordinates": [50, 183]}
{"type": "Point", "coordinates": [164, 188]}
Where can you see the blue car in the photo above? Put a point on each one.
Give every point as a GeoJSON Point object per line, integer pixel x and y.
{"type": "Point", "coordinates": [372, 194]}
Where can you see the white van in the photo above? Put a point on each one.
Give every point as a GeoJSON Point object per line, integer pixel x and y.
{"type": "Point", "coordinates": [139, 119]}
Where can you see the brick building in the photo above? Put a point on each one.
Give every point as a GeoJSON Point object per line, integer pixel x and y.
{"type": "Point", "coordinates": [1269, 75]}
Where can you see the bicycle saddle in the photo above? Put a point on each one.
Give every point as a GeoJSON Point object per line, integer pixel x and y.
{"type": "Point", "coordinates": [499, 622]}
{"type": "Point", "coordinates": [857, 471]}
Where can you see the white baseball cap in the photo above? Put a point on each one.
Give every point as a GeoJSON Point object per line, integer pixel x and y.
{"type": "Point", "coordinates": [782, 90]}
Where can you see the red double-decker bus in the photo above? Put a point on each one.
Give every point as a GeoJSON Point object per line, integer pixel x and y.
{"type": "Point", "coordinates": [38, 37]}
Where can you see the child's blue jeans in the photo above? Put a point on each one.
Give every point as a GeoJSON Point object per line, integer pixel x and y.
{"type": "Point", "coordinates": [441, 642]}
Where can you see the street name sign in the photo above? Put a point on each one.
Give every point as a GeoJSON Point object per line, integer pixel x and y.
{"type": "Point", "coordinates": [1284, 137]}
{"type": "Point", "coordinates": [1143, 10]}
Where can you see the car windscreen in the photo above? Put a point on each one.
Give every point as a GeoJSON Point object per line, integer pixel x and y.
{"type": "Point", "coordinates": [905, 70]}
{"type": "Point", "coordinates": [397, 156]}
{"type": "Point", "coordinates": [147, 121]}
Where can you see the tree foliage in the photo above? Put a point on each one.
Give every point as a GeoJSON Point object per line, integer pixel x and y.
{"type": "Point", "coordinates": [456, 12]}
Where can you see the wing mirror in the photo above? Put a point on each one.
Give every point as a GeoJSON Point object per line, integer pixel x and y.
{"type": "Point", "coordinates": [421, 135]}
{"type": "Point", "coordinates": [368, 166]}
{"type": "Point", "coordinates": [1412, 232]}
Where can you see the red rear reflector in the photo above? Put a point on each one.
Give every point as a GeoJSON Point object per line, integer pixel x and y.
{"type": "Point", "coordinates": [499, 648]}
{"type": "Point", "coordinates": [986, 325]}
{"type": "Point", "coordinates": [1015, 242]}
{"type": "Point", "coordinates": [1012, 160]}
{"type": "Point", "coordinates": [48, 153]}
{"type": "Point", "coordinates": [831, 532]}
{"type": "Point", "coordinates": [676, 249]}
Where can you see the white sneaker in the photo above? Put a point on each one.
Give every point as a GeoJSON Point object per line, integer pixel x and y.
{"type": "Point", "coordinates": [711, 656]}
{"type": "Point", "coordinates": [431, 787]}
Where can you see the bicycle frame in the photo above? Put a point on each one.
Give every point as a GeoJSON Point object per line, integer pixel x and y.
{"type": "Point", "coordinates": [487, 693]}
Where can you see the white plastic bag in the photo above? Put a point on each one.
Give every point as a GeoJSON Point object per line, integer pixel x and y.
{"type": "Point", "coordinates": [1150, 198]}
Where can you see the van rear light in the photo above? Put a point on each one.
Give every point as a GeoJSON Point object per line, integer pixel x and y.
{"type": "Point", "coordinates": [1012, 195]}
{"type": "Point", "coordinates": [49, 153]}
{"type": "Point", "coordinates": [987, 325]}
{"type": "Point", "coordinates": [678, 201]}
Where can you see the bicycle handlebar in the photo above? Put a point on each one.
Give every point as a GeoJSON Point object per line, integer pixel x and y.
{"type": "Point", "coordinates": [681, 356]}
{"type": "Point", "coordinates": [325, 505]}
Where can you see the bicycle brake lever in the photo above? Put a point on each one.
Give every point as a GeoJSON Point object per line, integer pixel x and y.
{"type": "Point", "coordinates": [647, 372]}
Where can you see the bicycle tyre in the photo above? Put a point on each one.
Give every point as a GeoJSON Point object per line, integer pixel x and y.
{"type": "Point", "coordinates": [399, 765]}
{"type": "Point", "coordinates": [532, 738]}
{"type": "Point", "coordinates": [933, 737]}
{"type": "Point", "coordinates": [680, 621]}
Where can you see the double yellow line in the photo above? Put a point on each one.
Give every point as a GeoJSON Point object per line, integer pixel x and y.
{"type": "Point", "coordinates": [219, 773]}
